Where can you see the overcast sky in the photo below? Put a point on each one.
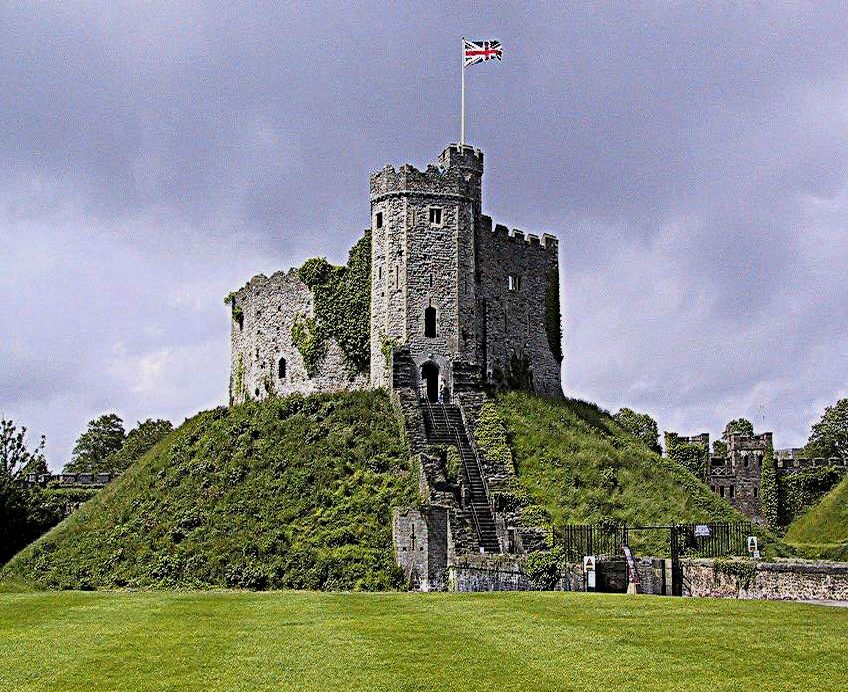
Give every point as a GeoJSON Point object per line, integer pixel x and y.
{"type": "Point", "coordinates": [692, 161]}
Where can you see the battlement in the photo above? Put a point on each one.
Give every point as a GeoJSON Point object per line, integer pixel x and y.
{"type": "Point", "coordinates": [457, 175]}
{"type": "Point", "coordinates": [672, 438]}
{"type": "Point", "coordinates": [792, 460]}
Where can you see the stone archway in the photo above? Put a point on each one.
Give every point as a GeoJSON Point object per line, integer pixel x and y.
{"type": "Point", "coordinates": [430, 380]}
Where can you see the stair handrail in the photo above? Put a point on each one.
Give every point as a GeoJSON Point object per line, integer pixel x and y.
{"type": "Point", "coordinates": [474, 449]}
{"type": "Point", "coordinates": [468, 480]}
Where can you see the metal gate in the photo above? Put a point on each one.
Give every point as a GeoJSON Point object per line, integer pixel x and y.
{"type": "Point", "coordinates": [713, 539]}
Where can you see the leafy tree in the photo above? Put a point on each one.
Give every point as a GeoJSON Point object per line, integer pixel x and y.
{"type": "Point", "coordinates": [103, 436]}
{"type": "Point", "coordinates": [139, 440]}
{"type": "Point", "coordinates": [829, 437]}
{"type": "Point", "coordinates": [640, 425]}
{"type": "Point", "coordinates": [15, 454]}
{"type": "Point", "coordinates": [720, 448]}
{"type": "Point", "coordinates": [738, 426]}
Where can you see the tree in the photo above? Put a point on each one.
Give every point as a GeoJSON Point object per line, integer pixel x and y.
{"type": "Point", "coordinates": [829, 437]}
{"type": "Point", "coordinates": [140, 439]}
{"type": "Point", "coordinates": [720, 448]}
{"type": "Point", "coordinates": [15, 454]}
{"type": "Point", "coordinates": [103, 436]}
{"type": "Point", "coordinates": [738, 426]}
{"type": "Point", "coordinates": [640, 425]}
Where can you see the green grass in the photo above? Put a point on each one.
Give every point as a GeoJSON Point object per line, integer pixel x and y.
{"type": "Point", "coordinates": [574, 460]}
{"type": "Point", "coordinates": [287, 493]}
{"type": "Point", "coordinates": [208, 642]}
{"type": "Point", "coordinates": [824, 528]}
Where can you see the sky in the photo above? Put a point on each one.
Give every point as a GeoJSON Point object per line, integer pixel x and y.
{"type": "Point", "coordinates": [692, 159]}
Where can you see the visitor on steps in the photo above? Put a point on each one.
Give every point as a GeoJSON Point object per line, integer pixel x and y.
{"type": "Point", "coordinates": [443, 391]}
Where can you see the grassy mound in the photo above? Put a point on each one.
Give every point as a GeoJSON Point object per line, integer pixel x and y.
{"type": "Point", "coordinates": [579, 465]}
{"type": "Point", "coordinates": [826, 524]}
{"type": "Point", "coordinates": [287, 493]}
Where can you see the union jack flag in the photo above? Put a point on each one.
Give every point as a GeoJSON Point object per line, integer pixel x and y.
{"type": "Point", "coordinates": [478, 51]}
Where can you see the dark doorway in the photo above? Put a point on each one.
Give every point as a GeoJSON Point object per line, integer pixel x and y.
{"type": "Point", "coordinates": [430, 380]}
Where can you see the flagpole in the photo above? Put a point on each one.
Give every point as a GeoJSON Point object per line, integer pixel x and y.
{"type": "Point", "coordinates": [462, 107]}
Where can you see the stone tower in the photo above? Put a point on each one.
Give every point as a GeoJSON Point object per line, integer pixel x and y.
{"type": "Point", "coordinates": [423, 289]}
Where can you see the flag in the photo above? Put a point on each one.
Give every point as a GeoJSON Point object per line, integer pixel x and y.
{"type": "Point", "coordinates": [478, 51]}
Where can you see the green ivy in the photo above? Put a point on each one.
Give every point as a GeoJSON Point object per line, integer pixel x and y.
{"type": "Point", "coordinates": [491, 437]}
{"type": "Point", "coordinates": [769, 493]}
{"type": "Point", "coordinates": [452, 464]}
{"type": "Point", "coordinates": [695, 458]}
{"type": "Point", "coordinates": [543, 568]}
{"type": "Point", "coordinates": [744, 571]}
{"type": "Point", "coordinates": [309, 340]}
{"type": "Point", "coordinates": [799, 491]}
{"type": "Point", "coordinates": [342, 308]}
{"type": "Point", "coordinates": [553, 321]}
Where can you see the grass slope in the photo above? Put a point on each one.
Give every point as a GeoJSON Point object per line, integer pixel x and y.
{"type": "Point", "coordinates": [522, 642]}
{"type": "Point", "coordinates": [287, 493]}
{"type": "Point", "coordinates": [575, 461]}
{"type": "Point", "coordinates": [826, 524]}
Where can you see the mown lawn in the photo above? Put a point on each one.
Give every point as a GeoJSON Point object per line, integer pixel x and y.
{"type": "Point", "coordinates": [310, 641]}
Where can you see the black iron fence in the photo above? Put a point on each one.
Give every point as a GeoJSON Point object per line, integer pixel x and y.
{"type": "Point", "coordinates": [713, 539]}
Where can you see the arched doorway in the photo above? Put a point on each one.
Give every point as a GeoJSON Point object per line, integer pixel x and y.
{"type": "Point", "coordinates": [430, 380]}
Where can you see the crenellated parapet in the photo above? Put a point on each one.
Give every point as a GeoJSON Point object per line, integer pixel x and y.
{"type": "Point", "coordinates": [458, 175]}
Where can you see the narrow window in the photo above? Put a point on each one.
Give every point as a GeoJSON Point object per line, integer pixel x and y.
{"type": "Point", "coordinates": [746, 462]}
{"type": "Point", "coordinates": [397, 277]}
{"type": "Point", "coordinates": [380, 273]}
{"type": "Point", "coordinates": [281, 368]}
{"type": "Point", "coordinates": [378, 220]}
{"type": "Point", "coordinates": [514, 282]}
{"type": "Point", "coordinates": [732, 491]}
{"type": "Point", "coordinates": [756, 492]}
{"type": "Point", "coordinates": [430, 322]}
{"type": "Point", "coordinates": [412, 217]}
{"type": "Point", "coordinates": [431, 280]}
{"type": "Point", "coordinates": [435, 216]}
{"type": "Point", "coordinates": [721, 490]}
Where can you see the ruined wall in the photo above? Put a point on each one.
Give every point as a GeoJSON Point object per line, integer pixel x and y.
{"type": "Point", "coordinates": [513, 316]}
{"type": "Point", "coordinates": [421, 546]}
{"type": "Point", "coordinates": [747, 579]}
{"type": "Point", "coordinates": [262, 337]}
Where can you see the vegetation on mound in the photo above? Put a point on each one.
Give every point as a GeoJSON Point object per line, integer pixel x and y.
{"type": "Point", "coordinates": [285, 493]}
{"type": "Point", "coordinates": [574, 460]}
{"type": "Point", "coordinates": [826, 522]}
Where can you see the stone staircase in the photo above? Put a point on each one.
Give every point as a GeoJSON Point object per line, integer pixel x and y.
{"type": "Point", "coordinates": [444, 426]}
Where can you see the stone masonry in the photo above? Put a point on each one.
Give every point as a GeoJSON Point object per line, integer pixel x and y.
{"type": "Point", "coordinates": [465, 296]}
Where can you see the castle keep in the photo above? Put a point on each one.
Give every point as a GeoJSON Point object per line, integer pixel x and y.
{"type": "Point", "coordinates": [469, 301]}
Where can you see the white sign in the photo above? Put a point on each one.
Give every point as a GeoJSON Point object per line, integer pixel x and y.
{"type": "Point", "coordinates": [589, 568]}
{"type": "Point", "coordinates": [757, 554]}
{"type": "Point", "coordinates": [752, 544]}
{"type": "Point", "coordinates": [702, 531]}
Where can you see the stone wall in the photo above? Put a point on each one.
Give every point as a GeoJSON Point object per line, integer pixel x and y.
{"type": "Point", "coordinates": [83, 480]}
{"type": "Point", "coordinates": [262, 337]}
{"type": "Point", "coordinates": [421, 546]}
{"type": "Point", "coordinates": [747, 579]}
{"type": "Point", "coordinates": [472, 573]}
{"type": "Point", "coordinates": [513, 315]}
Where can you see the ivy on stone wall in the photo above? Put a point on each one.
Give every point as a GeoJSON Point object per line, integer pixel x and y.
{"type": "Point", "coordinates": [769, 494]}
{"type": "Point", "coordinates": [696, 458]}
{"type": "Point", "coordinates": [799, 491]}
{"type": "Point", "coordinates": [543, 568]}
{"type": "Point", "coordinates": [308, 338]}
{"type": "Point", "coordinates": [342, 308]}
{"type": "Point", "coordinates": [491, 437]}
{"type": "Point", "coordinates": [553, 322]}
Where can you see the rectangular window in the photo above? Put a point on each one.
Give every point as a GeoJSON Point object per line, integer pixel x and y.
{"type": "Point", "coordinates": [435, 216]}
{"type": "Point", "coordinates": [514, 282]}
{"type": "Point", "coordinates": [378, 221]}
{"type": "Point", "coordinates": [732, 491]}
{"type": "Point", "coordinates": [411, 217]}
{"type": "Point", "coordinates": [756, 491]}
{"type": "Point", "coordinates": [721, 490]}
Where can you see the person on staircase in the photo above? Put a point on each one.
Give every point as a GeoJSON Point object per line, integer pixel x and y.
{"type": "Point", "coordinates": [443, 391]}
